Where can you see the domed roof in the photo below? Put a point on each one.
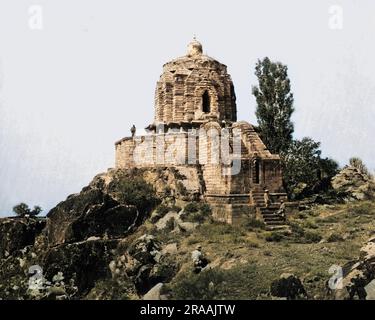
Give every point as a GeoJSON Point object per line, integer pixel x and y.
{"type": "Point", "coordinates": [194, 87]}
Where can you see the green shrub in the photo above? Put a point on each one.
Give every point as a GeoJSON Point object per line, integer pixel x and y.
{"type": "Point", "coordinates": [137, 192]}
{"type": "Point", "coordinates": [274, 237]}
{"type": "Point", "coordinates": [220, 232]}
{"type": "Point", "coordinates": [202, 286]}
{"type": "Point", "coordinates": [297, 230]}
{"type": "Point", "coordinates": [310, 224]}
{"type": "Point", "coordinates": [196, 212]}
{"type": "Point", "coordinates": [197, 217]}
{"type": "Point", "coordinates": [365, 208]}
{"type": "Point", "coordinates": [312, 237]}
{"type": "Point", "coordinates": [191, 207]}
{"type": "Point", "coordinates": [238, 283]}
{"type": "Point", "coordinates": [334, 237]}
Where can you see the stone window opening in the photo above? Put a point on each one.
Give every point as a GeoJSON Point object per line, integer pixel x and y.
{"type": "Point", "coordinates": [206, 107]}
{"type": "Point", "coordinates": [257, 172]}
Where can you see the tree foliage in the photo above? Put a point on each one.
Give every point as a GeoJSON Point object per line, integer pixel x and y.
{"type": "Point", "coordinates": [274, 105]}
{"type": "Point", "coordinates": [303, 166]}
{"type": "Point", "coordinates": [301, 162]}
{"type": "Point", "coordinates": [22, 210]}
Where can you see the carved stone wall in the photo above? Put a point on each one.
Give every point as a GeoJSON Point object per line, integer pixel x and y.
{"type": "Point", "coordinates": [186, 81]}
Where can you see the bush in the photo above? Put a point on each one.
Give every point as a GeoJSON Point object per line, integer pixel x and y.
{"type": "Point", "coordinates": [274, 237]}
{"type": "Point", "coordinates": [23, 209]}
{"type": "Point", "coordinates": [197, 217]}
{"type": "Point", "coordinates": [137, 192]}
{"type": "Point", "coordinates": [310, 224]}
{"type": "Point", "coordinates": [334, 237]}
{"type": "Point", "coordinates": [205, 209]}
{"type": "Point", "coordinates": [360, 166]}
{"type": "Point", "coordinates": [191, 207]}
{"type": "Point", "coordinates": [305, 172]}
{"type": "Point", "coordinates": [202, 286]}
{"type": "Point", "coordinates": [364, 208]}
{"type": "Point", "coordinates": [297, 229]}
{"type": "Point", "coordinates": [312, 237]}
{"type": "Point", "coordinates": [196, 212]}
{"type": "Point", "coordinates": [238, 283]}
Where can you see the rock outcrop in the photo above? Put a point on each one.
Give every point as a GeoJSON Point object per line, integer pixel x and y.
{"type": "Point", "coordinates": [289, 287]}
{"type": "Point", "coordinates": [354, 184]}
{"type": "Point", "coordinates": [358, 277]}
{"type": "Point", "coordinates": [17, 233]}
{"type": "Point", "coordinates": [144, 263]}
{"type": "Point", "coordinates": [89, 213]}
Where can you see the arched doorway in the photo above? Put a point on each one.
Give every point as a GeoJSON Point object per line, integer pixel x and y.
{"type": "Point", "coordinates": [206, 102]}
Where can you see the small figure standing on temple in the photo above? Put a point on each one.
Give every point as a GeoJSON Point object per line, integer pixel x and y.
{"type": "Point", "coordinates": [133, 130]}
{"type": "Point", "coordinates": [281, 211]}
{"type": "Point", "coordinates": [267, 200]}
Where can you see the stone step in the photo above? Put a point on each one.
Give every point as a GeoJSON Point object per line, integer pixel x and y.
{"type": "Point", "coordinates": [277, 227]}
{"type": "Point", "coordinates": [268, 211]}
{"type": "Point", "coordinates": [271, 216]}
{"type": "Point", "coordinates": [273, 223]}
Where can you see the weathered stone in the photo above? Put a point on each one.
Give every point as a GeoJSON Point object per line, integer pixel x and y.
{"type": "Point", "coordinates": [162, 223]}
{"type": "Point", "coordinates": [91, 213]}
{"type": "Point", "coordinates": [154, 293]}
{"type": "Point", "coordinates": [17, 233]}
{"type": "Point", "coordinates": [83, 262]}
{"type": "Point", "coordinates": [354, 184]}
{"type": "Point", "coordinates": [358, 276]}
{"type": "Point", "coordinates": [170, 249]}
{"type": "Point", "coordinates": [289, 287]}
{"type": "Point", "coordinates": [370, 290]}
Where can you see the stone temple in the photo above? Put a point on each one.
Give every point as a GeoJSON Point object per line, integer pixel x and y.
{"type": "Point", "coordinates": [196, 131]}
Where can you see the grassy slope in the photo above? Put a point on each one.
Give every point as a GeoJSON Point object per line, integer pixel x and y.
{"type": "Point", "coordinates": [246, 262]}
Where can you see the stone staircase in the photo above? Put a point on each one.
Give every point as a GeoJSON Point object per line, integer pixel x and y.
{"type": "Point", "coordinates": [269, 214]}
{"type": "Point", "coordinates": [271, 218]}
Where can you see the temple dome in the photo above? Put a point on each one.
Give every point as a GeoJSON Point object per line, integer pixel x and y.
{"type": "Point", "coordinates": [194, 87]}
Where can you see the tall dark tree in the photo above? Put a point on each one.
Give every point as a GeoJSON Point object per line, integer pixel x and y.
{"type": "Point", "coordinates": [274, 105]}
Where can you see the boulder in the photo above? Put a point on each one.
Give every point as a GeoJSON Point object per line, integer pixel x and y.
{"type": "Point", "coordinates": [144, 263]}
{"type": "Point", "coordinates": [358, 276]}
{"type": "Point", "coordinates": [154, 293]}
{"type": "Point", "coordinates": [163, 222]}
{"type": "Point", "coordinates": [289, 287]}
{"type": "Point", "coordinates": [81, 263]}
{"type": "Point", "coordinates": [91, 213]}
{"type": "Point", "coordinates": [170, 248]}
{"type": "Point", "coordinates": [354, 184]}
{"type": "Point", "coordinates": [17, 233]}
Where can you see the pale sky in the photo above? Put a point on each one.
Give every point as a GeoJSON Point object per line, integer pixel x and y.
{"type": "Point", "coordinates": [69, 90]}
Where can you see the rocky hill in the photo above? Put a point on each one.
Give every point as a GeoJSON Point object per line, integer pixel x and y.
{"type": "Point", "coordinates": [130, 234]}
